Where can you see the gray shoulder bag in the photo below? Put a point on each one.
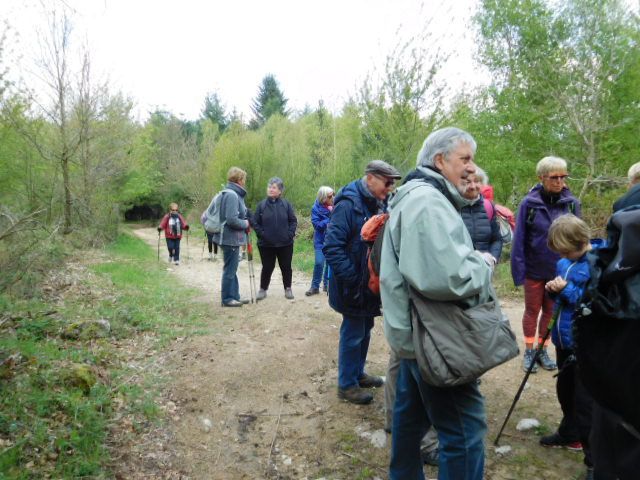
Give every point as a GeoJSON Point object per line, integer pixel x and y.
{"type": "Point", "coordinates": [453, 345]}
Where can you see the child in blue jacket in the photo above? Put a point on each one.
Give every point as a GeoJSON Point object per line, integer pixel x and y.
{"type": "Point", "coordinates": [570, 238]}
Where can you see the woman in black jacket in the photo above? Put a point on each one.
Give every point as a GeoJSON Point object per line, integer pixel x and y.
{"type": "Point", "coordinates": [275, 222]}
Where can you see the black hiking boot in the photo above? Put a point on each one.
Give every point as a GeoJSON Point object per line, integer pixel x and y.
{"type": "Point", "coordinates": [355, 395]}
{"type": "Point", "coordinates": [370, 381]}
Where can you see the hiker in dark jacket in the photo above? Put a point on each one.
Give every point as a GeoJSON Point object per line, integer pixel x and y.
{"type": "Point", "coordinates": [480, 219]}
{"type": "Point", "coordinates": [233, 215]}
{"type": "Point", "coordinates": [614, 440]}
{"type": "Point", "coordinates": [275, 223]}
{"type": "Point", "coordinates": [173, 223]}
{"type": "Point", "coordinates": [632, 197]}
{"type": "Point", "coordinates": [346, 254]}
{"type": "Point", "coordinates": [320, 216]}
{"type": "Point", "coordinates": [533, 264]}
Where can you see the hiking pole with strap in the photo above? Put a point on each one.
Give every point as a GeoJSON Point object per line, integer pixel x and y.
{"type": "Point", "coordinates": [204, 241]}
{"type": "Point", "coordinates": [252, 277]}
{"type": "Point", "coordinates": [554, 318]}
{"type": "Point", "coordinates": [159, 245]}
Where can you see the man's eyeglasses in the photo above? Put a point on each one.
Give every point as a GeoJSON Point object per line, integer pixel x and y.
{"type": "Point", "coordinates": [555, 178]}
{"type": "Point", "coordinates": [174, 210]}
{"type": "Point", "coordinates": [387, 183]}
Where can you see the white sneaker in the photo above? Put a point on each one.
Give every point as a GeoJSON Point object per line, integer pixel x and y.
{"type": "Point", "coordinates": [211, 257]}
{"type": "Point", "coordinates": [170, 260]}
{"type": "Point", "coordinates": [177, 262]}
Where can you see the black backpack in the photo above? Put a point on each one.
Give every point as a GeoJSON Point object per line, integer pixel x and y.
{"type": "Point", "coordinates": [607, 322]}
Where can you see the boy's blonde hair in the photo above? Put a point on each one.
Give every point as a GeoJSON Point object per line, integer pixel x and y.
{"type": "Point", "coordinates": [236, 174]}
{"type": "Point", "coordinates": [173, 206]}
{"type": "Point", "coordinates": [568, 233]}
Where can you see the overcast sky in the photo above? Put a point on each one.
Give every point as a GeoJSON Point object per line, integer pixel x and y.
{"type": "Point", "coordinates": [170, 54]}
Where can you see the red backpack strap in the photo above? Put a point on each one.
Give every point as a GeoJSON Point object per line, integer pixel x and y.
{"type": "Point", "coordinates": [489, 208]}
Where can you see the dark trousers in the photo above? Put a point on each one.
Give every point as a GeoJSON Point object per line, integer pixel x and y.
{"type": "Point", "coordinates": [616, 448]}
{"type": "Point", "coordinates": [268, 256]}
{"type": "Point", "coordinates": [173, 245]}
{"type": "Point", "coordinates": [575, 402]}
{"type": "Point", "coordinates": [211, 244]}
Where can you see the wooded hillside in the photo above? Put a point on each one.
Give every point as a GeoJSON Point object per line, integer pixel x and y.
{"type": "Point", "coordinates": [564, 81]}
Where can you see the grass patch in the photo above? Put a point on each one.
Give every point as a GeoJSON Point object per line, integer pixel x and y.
{"type": "Point", "coordinates": [59, 395]}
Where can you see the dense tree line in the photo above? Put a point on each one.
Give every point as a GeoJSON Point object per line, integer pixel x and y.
{"type": "Point", "coordinates": [565, 80]}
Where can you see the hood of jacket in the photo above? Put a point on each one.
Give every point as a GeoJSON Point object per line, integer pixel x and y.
{"type": "Point", "coordinates": [535, 195]}
{"type": "Point", "coordinates": [438, 180]}
{"type": "Point", "coordinates": [357, 193]}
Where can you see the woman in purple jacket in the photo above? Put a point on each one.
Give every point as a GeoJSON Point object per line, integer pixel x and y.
{"type": "Point", "coordinates": [533, 264]}
{"type": "Point", "coordinates": [320, 216]}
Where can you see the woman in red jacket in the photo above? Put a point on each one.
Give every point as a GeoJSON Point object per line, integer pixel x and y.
{"type": "Point", "coordinates": [173, 223]}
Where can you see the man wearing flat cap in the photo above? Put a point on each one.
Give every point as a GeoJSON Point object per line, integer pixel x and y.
{"type": "Point", "coordinates": [349, 295]}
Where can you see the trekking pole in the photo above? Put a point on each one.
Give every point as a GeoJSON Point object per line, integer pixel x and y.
{"type": "Point", "coordinates": [204, 241]}
{"type": "Point", "coordinates": [252, 277]}
{"type": "Point", "coordinates": [158, 245]}
{"type": "Point", "coordinates": [526, 375]}
{"type": "Point", "coordinates": [188, 254]}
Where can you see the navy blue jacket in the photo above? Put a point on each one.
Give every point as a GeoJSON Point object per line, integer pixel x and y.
{"type": "Point", "coordinates": [632, 197]}
{"type": "Point", "coordinates": [485, 233]}
{"type": "Point", "coordinates": [274, 222]}
{"type": "Point", "coordinates": [346, 253]}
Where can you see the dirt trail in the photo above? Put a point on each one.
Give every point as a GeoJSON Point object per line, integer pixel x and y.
{"type": "Point", "coordinates": [257, 399]}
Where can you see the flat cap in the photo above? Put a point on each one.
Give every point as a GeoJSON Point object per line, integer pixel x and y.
{"type": "Point", "coordinates": [380, 167]}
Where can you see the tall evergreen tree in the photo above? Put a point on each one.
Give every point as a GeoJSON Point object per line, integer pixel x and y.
{"type": "Point", "coordinates": [214, 111]}
{"type": "Point", "coordinates": [270, 100]}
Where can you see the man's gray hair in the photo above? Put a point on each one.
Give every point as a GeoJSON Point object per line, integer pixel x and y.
{"type": "Point", "coordinates": [443, 141]}
{"type": "Point", "coordinates": [277, 181]}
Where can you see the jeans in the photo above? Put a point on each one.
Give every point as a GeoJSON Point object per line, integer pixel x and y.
{"type": "Point", "coordinates": [458, 415]}
{"type": "Point", "coordinates": [173, 245]}
{"type": "Point", "coordinates": [268, 255]}
{"type": "Point", "coordinates": [230, 286]}
{"type": "Point", "coordinates": [429, 442]}
{"type": "Point", "coordinates": [355, 334]}
{"type": "Point", "coordinates": [320, 270]}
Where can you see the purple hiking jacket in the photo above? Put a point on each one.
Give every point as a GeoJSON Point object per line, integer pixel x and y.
{"type": "Point", "coordinates": [530, 256]}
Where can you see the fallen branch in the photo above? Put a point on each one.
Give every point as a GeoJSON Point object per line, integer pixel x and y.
{"type": "Point", "coordinates": [286, 414]}
{"type": "Point", "coordinates": [275, 434]}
